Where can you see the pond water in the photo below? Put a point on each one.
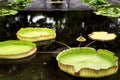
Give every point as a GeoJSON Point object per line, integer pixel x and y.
{"type": "Point", "coordinates": [68, 26]}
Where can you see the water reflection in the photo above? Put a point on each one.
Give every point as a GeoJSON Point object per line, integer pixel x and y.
{"type": "Point", "coordinates": [68, 26]}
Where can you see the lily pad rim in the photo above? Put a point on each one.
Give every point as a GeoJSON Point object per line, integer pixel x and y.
{"type": "Point", "coordinates": [92, 33]}
{"type": "Point", "coordinates": [64, 52]}
{"type": "Point", "coordinates": [17, 42]}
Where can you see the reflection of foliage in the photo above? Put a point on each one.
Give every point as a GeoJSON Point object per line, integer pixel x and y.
{"type": "Point", "coordinates": [19, 4]}
{"type": "Point", "coordinates": [103, 8]}
{"type": "Point", "coordinates": [5, 12]}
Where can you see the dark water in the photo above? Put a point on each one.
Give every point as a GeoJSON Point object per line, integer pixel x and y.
{"type": "Point", "coordinates": [68, 26]}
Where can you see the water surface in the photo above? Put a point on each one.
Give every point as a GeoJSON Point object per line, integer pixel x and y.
{"type": "Point", "coordinates": [68, 26]}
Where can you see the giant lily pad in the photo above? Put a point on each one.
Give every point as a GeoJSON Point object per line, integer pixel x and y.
{"type": "Point", "coordinates": [102, 36]}
{"type": "Point", "coordinates": [36, 34]}
{"type": "Point", "coordinates": [87, 62]}
{"type": "Point", "coordinates": [14, 49]}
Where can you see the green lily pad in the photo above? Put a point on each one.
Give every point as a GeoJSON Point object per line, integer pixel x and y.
{"type": "Point", "coordinates": [87, 62]}
{"type": "Point", "coordinates": [36, 34]}
{"type": "Point", "coordinates": [14, 49]}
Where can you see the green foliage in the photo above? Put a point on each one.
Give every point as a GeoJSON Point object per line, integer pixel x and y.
{"type": "Point", "coordinates": [5, 12]}
{"type": "Point", "coordinates": [102, 7]}
{"type": "Point", "coordinates": [96, 3]}
{"type": "Point", "coordinates": [111, 12]}
{"type": "Point", "coordinates": [19, 4]}
{"type": "Point", "coordinates": [15, 6]}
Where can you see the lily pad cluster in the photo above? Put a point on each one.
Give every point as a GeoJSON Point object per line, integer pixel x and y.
{"type": "Point", "coordinates": [102, 7]}
{"type": "Point", "coordinates": [24, 47]}
{"type": "Point", "coordinates": [87, 61]}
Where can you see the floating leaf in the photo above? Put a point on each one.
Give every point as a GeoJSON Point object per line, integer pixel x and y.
{"type": "Point", "coordinates": [87, 62]}
{"type": "Point", "coordinates": [14, 49]}
{"type": "Point", "coordinates": [102, 36]}
{"type": "Point", "coordinates": [81, 39]}
{"type": "Point", "coordinates": [35, 34]}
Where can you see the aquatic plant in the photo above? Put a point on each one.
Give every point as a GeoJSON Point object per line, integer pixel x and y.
{"type": "Point", "coordinates": [5, 12]}
{"type": "Point", "coordinates": [15, 6]}
{"type": "Point", "coordinates": [88, 62]}
{"type": "Point", "coordinates": [102, 36]}
{"type": "Point", "coordinates": [19, 4]}
{"type": "Point", "coordinates": [36, 34]}
{"type": "Point", "coordinates": [110, 12]}
{"type": "Point", "coordinates": [96, 3]}
{"type": "Point", "coordinates": [15, 49]}
{"type": "Point", "coordinates": [102, 7]}
{"type": "Point", "coordinates": [81, 39]}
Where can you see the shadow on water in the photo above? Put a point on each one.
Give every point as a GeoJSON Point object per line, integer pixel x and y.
{"type": "Point", "coordinates": [68, 26]}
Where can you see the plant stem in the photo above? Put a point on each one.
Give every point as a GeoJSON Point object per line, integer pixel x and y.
{"type": "Point", "coordinates": [89, 44]}
{"type": "Point", "coordinates": [62, 44]}
{"type": "Point", "coordinates": [79, 44]}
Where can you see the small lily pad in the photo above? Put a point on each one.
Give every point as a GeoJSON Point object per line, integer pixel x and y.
{"type": "Point", "coordinates": [102, 36]}
{"type": "Point", "coordinates": [15, 49]}
{"type": "Point", "coordinates": [87, 62]}
{"type": "Point", "coordinates": [81, 39]}
{"type": "Point", "coordinates": [36, 34]}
